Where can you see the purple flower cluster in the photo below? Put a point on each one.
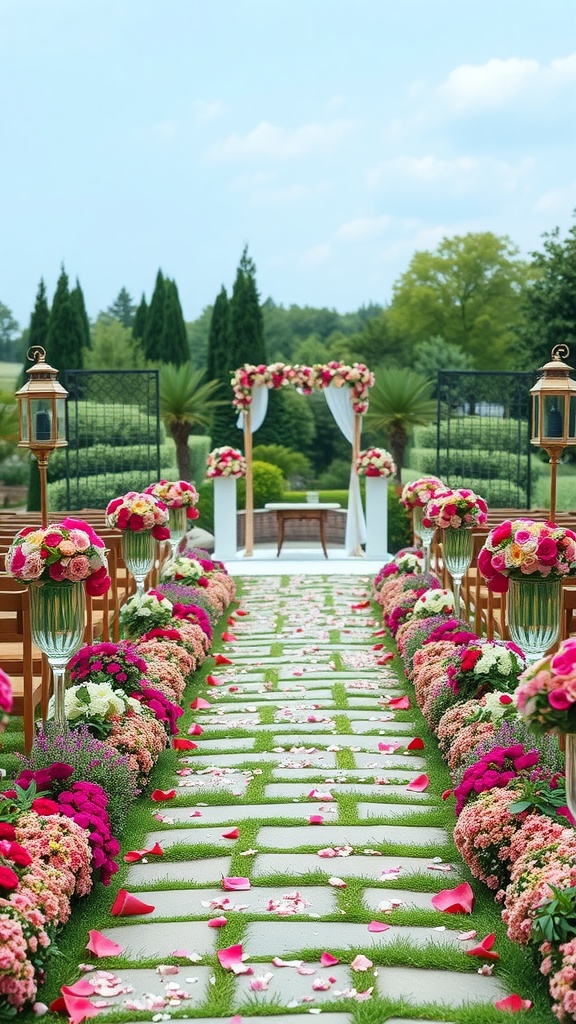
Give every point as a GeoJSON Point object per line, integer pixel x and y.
{"type": "Point", "coordinates": [164, 710]}
{"type": "Point", "coordinates": [86, 804]}
{"type": "Point", "coordinates": [494, 770]}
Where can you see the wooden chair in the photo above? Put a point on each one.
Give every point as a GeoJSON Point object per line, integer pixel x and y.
{"type": "Point", "coordinates": [18, 660]}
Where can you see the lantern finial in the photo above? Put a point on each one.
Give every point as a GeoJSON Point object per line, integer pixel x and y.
{"type": "Point", "coordinates": [560, 352]}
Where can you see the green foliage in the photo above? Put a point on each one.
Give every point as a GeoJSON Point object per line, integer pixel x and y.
{"type": "Point", "coordinates": [205, 506]}
{"type": "Point", "coordinates": [140, 318]}
{"type": "Point", "coordinates": [246, 321]}
{"type": "Point", "coordinates": [337, 475]}
{"type": "Point", "coordinates": [108, 423]}
{"type": "Point", "coordinates": [399, 401]}
{"type": "Point", "coordinates": [219, 338]}
{"type": "Point", "coordinates": [289, 419]}
{"type": "Point", "coordinates": [289, 462]}
{"type": "Point", "coordinates": [100, 459]}
{"type": "Point", "coordinates": [436, 354]}
{"type": "Point", "coordinates": [267, 485]}
{"type": "Point", "coordinates": [174, 342]}
{"type": "Point", "coordinates": [285, 329]}
{"type": "Point", "coordinates": [468, 291]}
{"type": "Point", "coordinates": [79, 310]}
{"type": "Point", "coordinates": [65, 338]}
{"type": "Point", "coordinates": [476, 462]}
{"type": "Point", "coordinates": [113, 347]}
{"type": "Point", "coordinates": [14, 471]}
{"type": "Point", "coordinates": [185, 402]}
{"type": "Point", "coordinates": [549, 301]}
{"type": "Point", "coordinates": [153, 330]}
{"type": "Point", "coordinates": [555, 919]}
{"type": "Point", "coordinates": [198, 331]}
{"type": "Point", "coordinates": [9, 330]}
{"type": "Point", "coordinates": [96, 491]}
{"type": "Point", "coordinates": [123, 309]}
{"type": "Point", "coordinates": [497, 434]}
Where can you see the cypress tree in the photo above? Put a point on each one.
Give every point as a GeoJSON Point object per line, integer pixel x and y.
{"type": "Point", "coordinates": [81, 316]}
{"type": "Point", "coordinates": [246, 320]}
{"type": "Point", "coordinates": [38, 329]}
{"type": "Point", "coordinates": [174, 344]}
{"type": "Point", "coordinates": [152, 339]}
{"type": "Point", "coordinates": [123, 308]}
{"type": "Point", "coordinates": [64, 342]}
{"type": "Point", "coordinates": [219, 336]}
{"type": "Point", "coordinates": [140, 317]}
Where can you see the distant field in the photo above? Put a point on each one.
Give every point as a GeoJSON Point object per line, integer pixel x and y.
{"type": "Point", "coordinates": [9, 375]}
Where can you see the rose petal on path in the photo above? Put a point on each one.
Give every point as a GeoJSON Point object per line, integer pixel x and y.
{"type": "Point", "coordinates": [513, 1003]}
{"type": "Point", "coordinates": [162, 794]}
{"type": "Point", "coordinates": [180, 744]}
{"type": "Point", "coordinates": [83, 987]}
{"type": "Point", "coordinates": [217, 922]}
{"type": "Point", "coordinates": [125, 905]}
{"type": "Point", "coordinates": [484, 948]}
{"type": "Point", "coordinates": [455, 901]}
{"type": "Point", "coordinates": [419, 784]}
{"type": "Point", "coordinates": [199, 704]}
{"type": "Point", "coordinates": [101, 946]}
{"type": "Point", "coordinates": [389, 748]}
{"type": "Point", "coordinates": [361, 963]}
{"type": "Point", "coordinates": [378, 926]}
{"type": "Point", "coordinates": [220, 659]}
{"type": "Point", "coordinates": [235, 884]}
{"type": "Point", "coordinates": [400, 703]}
{"type": "Point", "coordinates": [316, 819]}
{"type": "Point", "coordinates": [464, 936]}
{"type": "Point", "coordinates": [380, 632]}
{"type": "Point", "coordinates": [195, 730]}
{"type": "Point", "coordinates": [231, 960]}
{"type": "Point", "coordinates": [377, 647]}
{"type": "Point", "coordinates": [77, 1007]}
{"type": "Point", "coordinates": [232, 834]}
{"type": "Point", "coordinates": [337, 883]}
{"type": "Point", "coordinates": [279, 962]}
{"type": "Point", "coordinates": [228, 638]}
{"type": "Point", "coordinates": [416, 744]}
{"type": "Point", "coordinates": [327, 960]}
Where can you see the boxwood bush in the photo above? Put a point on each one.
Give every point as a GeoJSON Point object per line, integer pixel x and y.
{"type": "Point", "coordinates": [497, 435]}
{"type": "Point", "coordinates": [475, 462]}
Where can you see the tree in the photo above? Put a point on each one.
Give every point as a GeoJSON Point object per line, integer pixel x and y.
{"type": "Point", "coordinates": [113, 347]}
{"type": "Point", "coordinates": [198, 332]}
{"type": "Point", "coordinates": [153, 331]}
{"type": "Point", "coordinates": [246, 320]}
{"type": "Point", "coordinates": [82, 321]}
{"type": "Point", "coordinates": [64, 347]}
{"type": "Point", "coordinates": [123, 308]}
{"type": "Point", "coordinates": [174, 341]}
{"type": "Point", "coordinates": [9, 328]}
{"type": "Point", "coordinates": [400, 399]}
{"type": "Point", "coordinates": [37, 333]}
{"type": "Point", "coordinates": [140, 317]}
{"type": "Point", "coordinates": [549, 301]}
{"type": "Point", "coordinates": [219, 336]}
{"type": "Point", "coordinates": [468, 291]}
{"type": "Point", "coordinates": [185, 402]}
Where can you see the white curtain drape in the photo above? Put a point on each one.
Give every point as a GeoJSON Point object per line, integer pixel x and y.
{"type": "Point", "coordinates": [340, 404]}
{"type": "Point", "coordinates": [258, 409]}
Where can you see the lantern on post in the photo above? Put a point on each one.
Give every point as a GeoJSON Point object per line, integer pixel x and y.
{"type": "Point", "coordinates": [42, 416]}
{"type": "Point", "coordinates": [554, 413]}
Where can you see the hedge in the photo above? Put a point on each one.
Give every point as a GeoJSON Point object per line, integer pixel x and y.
{"type": "Point", "coordinates": [489, 432]}
{"type": "Point", "coordinates": [93, 423]}
{"type": "Point", "coordinates": [475, 462]}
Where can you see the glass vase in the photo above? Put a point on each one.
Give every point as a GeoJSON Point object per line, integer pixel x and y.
{"type": "Point", "coordinates": [426, 533]}
{"type": "Point", "coordinates": [57, 615]}
{"type": "Point", "coordinates": [534, 610]}
{"type": "Point", "coordinates": [139, 550]}
{"type": "Point", "coordinates": [457, 548]}
{"type": "Point", "coordinates": [177, 526]}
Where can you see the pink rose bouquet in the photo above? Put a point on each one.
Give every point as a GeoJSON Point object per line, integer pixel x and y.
{"type": "Point", "coordinates": [522, 547]}
{"type": "Point", "coordinates": [176, 494]}
{"type": "Point", "coordinates": [375, 462]}
{"type": "Point", "coordinates": [62, 553]}
{"type": "Point", "coordinates": [139, 512]}
{"type": "Point", "coordinates": [546, 696]}
{"type": "Point", "coordinates": [225, 461]}
{"type": "Point", "coordinates": [419, 492]}
{"type": "Point", "coordinates": [458, 509]}
{"type": "Point", "coordinates": [5, 694]}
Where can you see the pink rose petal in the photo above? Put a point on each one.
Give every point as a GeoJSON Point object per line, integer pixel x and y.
{"type": "Point", "coordinates": [337, 883]}
{"type": "Point", "coordinates": [378, 926]}
{"type": "Point", "coordinates": [77, 1007]}
{"type": "Point", "coordinates": [419, 784]}
{"type": "Point", "coordinates": [101, 946]}
{"type": "Point", "coordinates": [232, 834]}
{"type": "Point", "coordinates": [361, 963]}
{"type": "Point", "coordinates": [231, 960]}
{"type": "Point", "coordinates": [83, 987]}
{"type": "Point", "coordinates": [400, 703]}
{"type": "Point", "coordinates": [217, 922]}
{"type": "Point", "coordinates": [235, 884]}
{"type": "Point", "coordinates": [316, 819]}
{"type": "Point", "coordinates": [327, 960]}
{"type": "Point", "coordinates": [513, 1004]}
{"type": "Point", "coordinates": [455, 901]}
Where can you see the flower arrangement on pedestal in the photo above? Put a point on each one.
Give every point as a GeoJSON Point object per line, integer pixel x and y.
{"type": "Point", "coordinates": [176, 494]}
{"type": "Point", "coordinates": [375, 462]}
{"type": "Point", "coordinates": [136, 512]}
{"type": "Point", "coordinates": [225, 461]}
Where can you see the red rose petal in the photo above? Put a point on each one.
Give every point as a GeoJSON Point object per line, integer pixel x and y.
{"type": "Point", "coordinates": [377, 647]}
{"type": "Point", "coordinates": [455, 901]}
{"type": "Point", "coordinates": [101, 946]}
{"type": "Point", "coordinates": [484, 948]}
{"type": "Point", "coordinates": [400, 703]}
{"type": "Point", "coordinates": [416, 744]}
{"type": "Point", "coordinates": [77, 1007]}
{"type": "Point", "coordinates": [379, 632]}
{"type": "Point", "coordinates": [181, 744]}
{"type": "Point", "coordinates": [419, 784]}
{"type": "Point", "coordinates": [513, 1004]}
{"type": "Point", "coordinates": [447, 793]}
{"type": "Point", "coordinates": [58, 1005]}
{"type": "Point", "coordinates": [219, 659]}
{"type": "Point", "coordinates": [159, 795]}
{"type": "Point", "coordinates": [195, 730]}
{"type": "Point", "coordinates": [228, 637]}
{"type": "Point", "coordinates": [232, 834]}
{"type": "Point", "coordinates": [199, 703]}
{"type": "Point", "coordinates": [126, 905]}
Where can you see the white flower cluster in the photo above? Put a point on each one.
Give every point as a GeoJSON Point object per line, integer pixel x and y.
{"type": "Point", "coordinates": [97, 700]}
{"type": "Point", "coordinates": [143, 605]}
{"type": "Point", "coordinates": [497, 659]}
{"type": "Point", "coordinates": [410, 563]}
{"type": "Point", "coordinates": [495, 706]}
{"type": "Point", "coordinates": [181, 568]}
{"type": "Point", "coordinates": [434, 602]}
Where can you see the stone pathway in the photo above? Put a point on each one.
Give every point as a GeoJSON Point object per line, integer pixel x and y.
{"type": "Point", "coordinates": [295, 841]}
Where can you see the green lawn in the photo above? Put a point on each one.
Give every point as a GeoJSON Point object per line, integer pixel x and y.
{"type": "Point", "coordinates": [9, 375]}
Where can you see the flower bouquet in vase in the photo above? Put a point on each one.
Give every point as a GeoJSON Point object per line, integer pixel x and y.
{"type": "Point", "coordinates": [456, 512]}
{"type": "Point", "coordinates": [546, 699]}
{"type": "Point", "coordinates": [415, 496]}
{"type": "Point", "coordinates": [143, 519]}
{"type": "Point", "coordinates": [180, 498]}
{"type": "Point", "coordinates": [528, 560]}
{"type": "Point", "coordinates": [60, 563]}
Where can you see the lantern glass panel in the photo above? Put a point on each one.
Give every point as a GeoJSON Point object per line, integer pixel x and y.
{"type": "Point", "coordinates": [61, 418]}
{"type": "Point", "coordinates": [572, 419]}
{"type": "Point", "coordinates": [553, 425]}
{"type": "Point", "coordinates": [536, 416]}
{"type": "Point", "coordinates": [24, 426]}
{"type": "Point", "coordinates": [41, 414]}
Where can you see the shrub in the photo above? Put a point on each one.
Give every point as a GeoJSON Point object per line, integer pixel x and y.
{"type": "Point", "coordinates": [93, 491]}
{"type": "Point", "coordinates": [205, 507]}
{"type": "Point", "coordinates": [498, 435]}
{"type": "Point", "coordinates": [336, 475]}
{"type": "Point", "coordinates": [15, 471]}
{"type": "Point", "coordinates": [96, 423]}
{"type": "Point", "coordinates": [476, 462]}
{"type": "Point", "coordinates": [103, 459]}
{"type": "Point", "coordinates": [289, 462]}
{"type": "Point", "coordinates": [268, 485]}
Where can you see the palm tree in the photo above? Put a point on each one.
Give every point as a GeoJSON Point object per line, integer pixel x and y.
{"type": "Point", "coordinates": [185, 402]}
{"type": "Point", "coordinates": [400, 399]}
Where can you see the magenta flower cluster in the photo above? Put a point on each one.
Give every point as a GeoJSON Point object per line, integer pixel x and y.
{"type": "Point", "coordinates": [494, 770]}
{"type": "Point", "coordinates": [164, 710]}
{"type": "Point", "coordinates": [118, 664]}
{"type": "Point", "coordinates": [86, 804]}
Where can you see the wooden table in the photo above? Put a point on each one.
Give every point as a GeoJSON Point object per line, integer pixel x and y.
{"type": "Point", "coordinates": [316, 512]}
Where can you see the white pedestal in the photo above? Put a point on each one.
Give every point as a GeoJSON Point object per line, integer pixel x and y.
{"type": "Point", "coordinates": [225, 532]}
{"type": "Point", "coordinates": [376, 517]}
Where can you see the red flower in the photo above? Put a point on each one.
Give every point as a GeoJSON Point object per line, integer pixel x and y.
{"type": "Point", "coordinates": [8, 878]}
{"type": "Point", "coordinates": [42, 805]}
{"type": "Point", "coordinates": [469, 659]}
{"type": "Point", "coordinates": [136, 523]}
{"type": "Point", "coordinates": [19, 855]}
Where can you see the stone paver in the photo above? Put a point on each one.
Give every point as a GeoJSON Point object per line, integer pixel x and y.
{"type": "Point", "coordinates": [189, 902]}
{"type": "Point", "coordinates": [288, 985]}
{"type": "Point", "coordinates": [299, 791]}
{"type": "Point", "coordinates": [333, 834]}
{"type": "Point", "coordinates": [158, 939]}
{"type": "Point", "coordinates": [193, 979]}
{"type": "Point", "coordinates": [443, 987]}
{"type": "Point", "coordinates": [322, 758]}
{"type": "Point", "coordinates": [223, 815]}
{"type": "Point", "coordinates": [373, 868]}
{"type": "Point", "coordinates": [287, 937]}
{"type": "Point", "coordinates": [197, 872]}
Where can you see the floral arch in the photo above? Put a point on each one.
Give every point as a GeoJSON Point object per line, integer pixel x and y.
{"type": "Point", "coordinates": [346, 391]}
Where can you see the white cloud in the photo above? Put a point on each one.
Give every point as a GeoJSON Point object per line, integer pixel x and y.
{"type": "Point", "coordinates": [558, 200]}
{"type": "Point", "coordinates": [275, 143]}
{"type": "Point", "coordinates": [463, 173]}
{"type": "Point", "coordinates": [208, 110]}
{"type": "Point", "coordinates": [480, 87]}
{"type": "Point", "coordinates": [363, 228]}
{"type": "Point", "coordinates": [317, 255]}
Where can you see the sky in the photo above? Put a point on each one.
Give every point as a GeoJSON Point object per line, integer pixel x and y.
{"type": "Point", "coordinates": [334, 137]}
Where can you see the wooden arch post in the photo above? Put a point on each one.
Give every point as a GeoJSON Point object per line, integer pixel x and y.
{"type": "Point", "coordinates": [355, 453]}
{"type": "Point", "coordinates": [249, 518]}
